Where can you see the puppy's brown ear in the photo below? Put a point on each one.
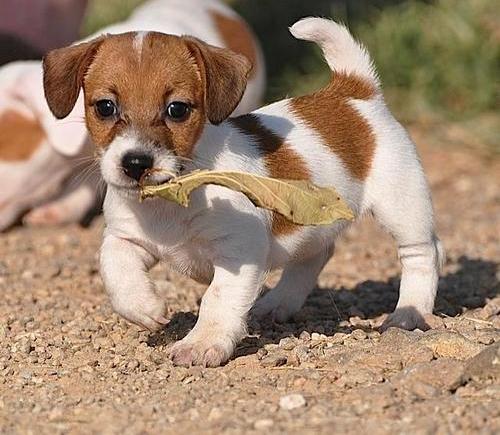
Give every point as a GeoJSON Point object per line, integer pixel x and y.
{"type": "Point", "coordinates": [225, 76]}
{"type": "Point", "coordinates": [63, 73]}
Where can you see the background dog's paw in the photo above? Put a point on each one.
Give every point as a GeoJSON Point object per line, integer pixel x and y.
{"type": "Point", "coordinates": [45, 215]}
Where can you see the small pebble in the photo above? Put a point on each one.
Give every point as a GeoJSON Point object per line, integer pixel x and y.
{"type": "Point", "coordinates": [304, 335]}
{"type": "Point", "coordinates": [262, 424]}
{"type": "Point", "coordinates": [287, 343]}
{"type": "Point", "coordinates": [215, 414]}
{"type": "Point", "coordinates": [358, 334]}
{"type": "Point", "coordinates": [339, 337]}
{"type": "Point", "coordinates": [317, 337]}
{"type": "Point", "coordinates": [132, 365]}
{"type": "Point", "coordinates": [261, 353]}
{"type": "Point", "coordinates": [274, 361]}
{"type": "Point", "coordinates": [301, 353]}
{"type": "Point", "coordinates": [292, 401]}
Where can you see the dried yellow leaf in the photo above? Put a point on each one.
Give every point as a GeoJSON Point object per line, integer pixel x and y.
{"type": "Point", "coordinates": [299, 201]}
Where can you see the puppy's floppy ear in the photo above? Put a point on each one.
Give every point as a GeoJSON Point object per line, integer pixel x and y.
{"type": "Point", "coordinates": [63, 73]}
{"type": "Point", "coordinates": [224, 74]}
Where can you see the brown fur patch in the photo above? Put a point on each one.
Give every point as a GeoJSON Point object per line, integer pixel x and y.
{"type": "Point", "coordinates": [142, 81]}
{"type": "Point", "coordinates": [340, 125]}
{"type": "Point", "coordinates": [237, 36]}
{"type": "Point", "coordinates": [225, 75]}
{"type": "Point", "coordinates": [142, 84]}
{"type": "Point", "coordinates": [64, 70]}
{"type": "Point", "coordinates": [281, 161]}
{"type": "Point", "coordinates": [19, 136]}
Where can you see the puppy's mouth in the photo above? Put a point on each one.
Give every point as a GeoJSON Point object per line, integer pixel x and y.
{"type": "Point", "coordinates": [156, 176]}
{"type": "Point", "coordinates": [151, 177]}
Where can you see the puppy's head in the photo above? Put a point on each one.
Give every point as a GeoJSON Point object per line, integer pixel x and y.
{"type": "Point", "coordinates": [148, 97]}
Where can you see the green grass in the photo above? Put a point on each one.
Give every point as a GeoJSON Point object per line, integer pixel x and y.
{"type": "Point", "coordinates": [104, 12]}
{"type": "Point", "coordinates": [443, 56]}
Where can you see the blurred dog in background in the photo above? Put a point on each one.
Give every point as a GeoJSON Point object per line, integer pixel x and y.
{"type": "Point", "coordinates": [47, 169]}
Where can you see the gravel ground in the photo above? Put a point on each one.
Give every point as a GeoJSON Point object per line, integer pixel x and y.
{"type": "Point", "coordinates": [69, 365]}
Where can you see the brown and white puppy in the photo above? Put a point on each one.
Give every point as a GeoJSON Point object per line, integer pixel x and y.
{"type": "Point", "coordinates": [47, 166]}
{"type": "Point", "coordinates": [159, 103]}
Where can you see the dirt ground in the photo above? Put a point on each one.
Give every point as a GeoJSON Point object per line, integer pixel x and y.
{"type": "Point", "coordinates": [69, 365]}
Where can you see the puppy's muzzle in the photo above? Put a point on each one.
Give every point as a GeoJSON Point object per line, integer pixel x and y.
{"type": "Point", "coordinates": [135, 165]}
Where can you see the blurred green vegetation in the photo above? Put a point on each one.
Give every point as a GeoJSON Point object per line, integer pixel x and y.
{"type": "Point", "coordinates": [104, 12]}
{"type": "Point", "coordinates": [443, 56]}
{"type": "Point", "coordinates": [436, 58]}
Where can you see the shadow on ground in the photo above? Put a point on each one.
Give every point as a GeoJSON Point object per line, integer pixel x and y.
{"type": "Point", "coordinates": [469, 287]}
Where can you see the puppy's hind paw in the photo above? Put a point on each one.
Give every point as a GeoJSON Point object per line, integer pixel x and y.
{"type": "Point", "coordinates": [275, 305]}
{"type": "Point", "coordinates": [410, 318]}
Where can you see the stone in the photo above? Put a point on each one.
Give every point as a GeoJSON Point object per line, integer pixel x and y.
{"type": "Point", "coordinates": [485, 365]}
{"type": "Point", "coordinates": [417, 354]}
{"type": "Point", "coordinates": [397, 338]}
{"type": "Point", "coordinates": [301, 353]}
{"type": "Point", "coordinates": [305, 336]}
{"type": "Point", "coordinates": [215, 414]}
{"type": "Point", "coordinates": [287, 343]}
{"type": "Point", "coordinates": [263, 424]}
{"type": "Point", "coordinates": [274, 360]}
{"type": "Point", "coordinates": [338, 338]}
{"type": "Point", "coordinates": [447, 344]}
{"type": "Point", "coordinates": [445, 374]}
{"type": "Point", "coordinates": [358, 334]}
{"type": "Point", "coordinates": [292, 401]}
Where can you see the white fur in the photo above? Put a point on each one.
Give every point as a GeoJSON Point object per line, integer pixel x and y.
{"type": "Point", "coordinates": [221, 238]}
{"type": "Point", "coordinates": [397, 193]}
{"type": "Point", "coordinates": [21, 89]}
{"type": "Point", "coordinates": [342, 52]}
{"type": "Point", "coordinates": [138, 42]}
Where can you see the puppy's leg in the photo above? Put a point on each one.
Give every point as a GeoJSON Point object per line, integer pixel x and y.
{"type": "Point", "coordinates": [296, 283]}
{"type": "Point", "coordinates": [124, 267]}
{"type": "Point", "coordinates": [223, 311]}
{"type": "Point", "coordinates": [406, 212]}
{"type": "Point", "coordinates": [421, 263]}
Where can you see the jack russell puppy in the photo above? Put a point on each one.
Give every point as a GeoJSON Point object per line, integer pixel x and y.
{"type": "Point", "coordinates": [47, 166]}
{"type": "Point", "coordinates": [157, 103]}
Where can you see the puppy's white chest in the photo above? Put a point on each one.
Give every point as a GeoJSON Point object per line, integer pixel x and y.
{"type": "Point", "coordinates": [163, 230]}
{"type": "Point", "coordinates": [190, 260]}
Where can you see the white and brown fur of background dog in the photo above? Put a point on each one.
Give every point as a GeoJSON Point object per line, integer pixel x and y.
{"type": "Point", "coordinates": [343, 135]}
{"type": "Point", "coordinates": [46, 165]}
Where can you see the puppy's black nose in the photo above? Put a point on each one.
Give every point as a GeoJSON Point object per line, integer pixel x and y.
{"type": "Point", "coordinates": [134, 164]}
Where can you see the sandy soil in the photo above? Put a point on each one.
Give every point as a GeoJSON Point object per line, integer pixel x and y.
{"type": "Point", "coordinates": [69, 365]}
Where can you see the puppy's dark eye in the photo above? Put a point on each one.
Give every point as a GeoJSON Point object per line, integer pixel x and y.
{"type": "Point", "coordinates": [106, 108]}
{"type": "Point", "coordinates": [178, 111]}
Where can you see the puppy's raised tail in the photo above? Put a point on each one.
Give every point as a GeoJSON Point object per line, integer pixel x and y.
{"type": "Point", "coordinates": [342, 52]}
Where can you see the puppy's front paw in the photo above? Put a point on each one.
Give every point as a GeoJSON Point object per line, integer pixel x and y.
{"type": "Point", "coordinates": [196, 351]}
{"type": "Point", "coordinates": [408, 318]}
{"type": "Point", "coordinates": [146, 311]}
